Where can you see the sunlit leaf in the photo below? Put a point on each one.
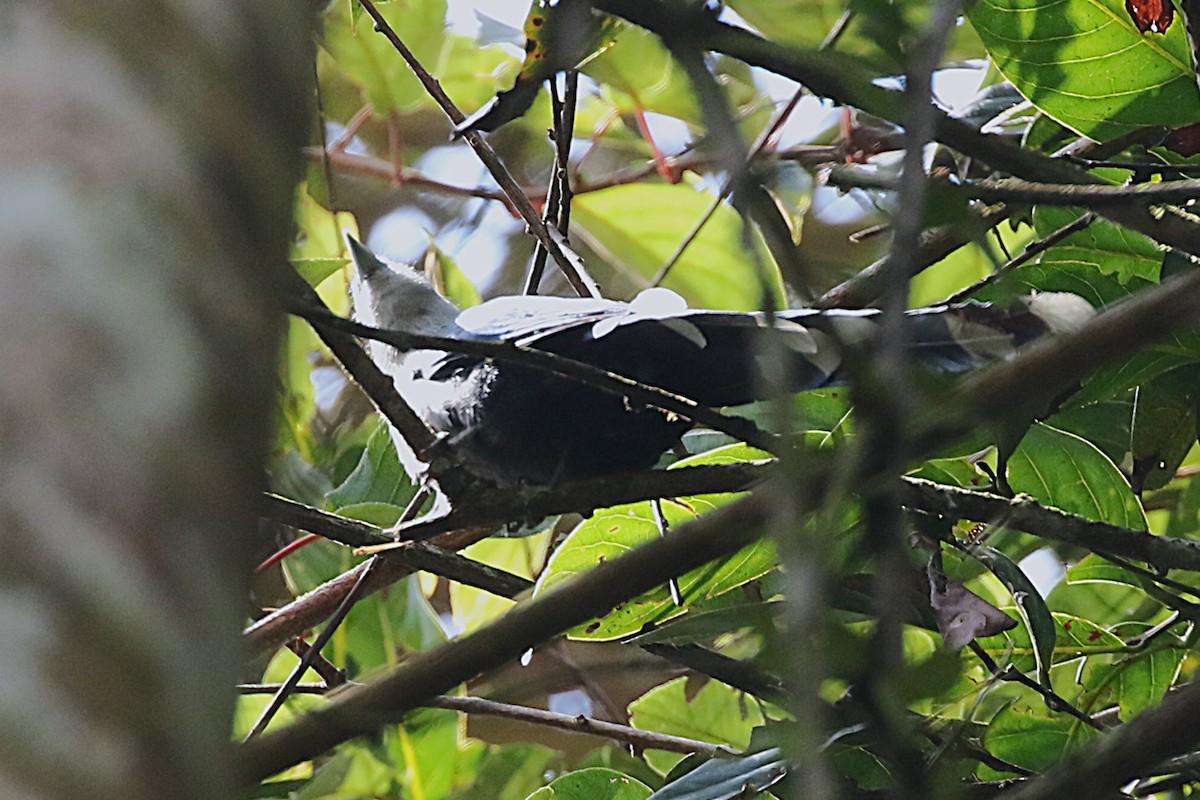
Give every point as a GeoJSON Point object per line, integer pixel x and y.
{"type": "Point", "coordinates": [639, 227]}
{"type": "Point", "coordinates": [1070, 473]}
{"type": "Point", "coordinates": [1085, 63]}
{"type": "Point", "coordinates": [716, 714]}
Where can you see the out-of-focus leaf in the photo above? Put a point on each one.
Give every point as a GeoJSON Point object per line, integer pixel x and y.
{"type": "Point", "coordinates": [449, 280]}
{"type": "Point", "coordinates": [432, 754]}
{"type": "Point", "coordinates": [594, 783]}
{"type": "Point", "coordinates": [380, 628]}
{"type": "Point", "coordinates": [372, 63]}
{"type": "Point", "coordinates": [1070, 473]}
{"type": "Point", "coordinates": [510, 772]}
{"type": "Point", "coordinates": [717, 714]}
{"type": "Point", "coordinates": [641, 75]}
{"type": "Point", "coordinates": [638, 228]}
{"type": "Point", "coordinates": [612, 532]}
{"type": "Point", "coordinates": [725, 778]}
{"type": "Point", "coordinates": [1185, 517]}
{"type": "Point", "coordinates": [292, 476]}
{"type": "Point", "coordinates": [1085, 63]}
{"type": "Point", "coordinates": [473, 608]}
{"type": "Point", "coordinates": [318, 251]}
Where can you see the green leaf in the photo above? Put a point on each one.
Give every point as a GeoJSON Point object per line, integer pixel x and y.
{"type": "Point", "coordinates": [1185, 517]}
{"type": "Point", "coordinates": [472, 608]}
{"type": "Point", "coordinates": [510, 772]}
{"type": "Point", "coordinates": [1164, 427]}
{"type": "Point", "coordinates": [1030, 605]}
{"type": "Point", "coordinates": [1084, 63]}
{"type": "Point", "coordinates": [638, 228]}
{"type": "Point", "coordinates": [378, 478]}
{"type": "Point", "coordinates": [639, 73]}
{"type": "Point", "coordinates": [594, 783]}
{"type": "Point", "coordinates": [717, 713]}
{"type": "Point", "coordinates": [1030, 735]}
{"type": "Point", "coordinates": [431, 754]}
{"type": "Point", "coordinates": [450, 281]}
{"type": "Point", "coordinates": [385, 624]}
{"type": "Point", "coordinates": [1094, 569]}
{"type": "Point", "coordinates": [318, 250]}
{"type": "Point", "coordinates": [371, 62]}
{"type": "Point", "coordinates": [724, 778]}
{"type": "Point", "coordinates": [1145, 680]}
{"type": "Point", "coordinates": [611, 532]}
{"type": "Point", "coordinates": [1102, 246]}
{"type": "Point", "coordinates": [1069, 473]}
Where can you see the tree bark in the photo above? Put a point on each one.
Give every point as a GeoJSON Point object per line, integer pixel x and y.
{"type": "Point", "coordinates": [150, 150]}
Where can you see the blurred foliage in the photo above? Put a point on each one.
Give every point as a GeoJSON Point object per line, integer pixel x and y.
{"type": "Point", "coordinates": [1119, 450]}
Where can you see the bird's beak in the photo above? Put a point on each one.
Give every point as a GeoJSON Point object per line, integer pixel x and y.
{"type": "Point", "coordinates": [366, 262]}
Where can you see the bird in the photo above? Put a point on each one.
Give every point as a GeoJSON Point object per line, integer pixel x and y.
{"type": "Point", "coordinates": [514, 424]}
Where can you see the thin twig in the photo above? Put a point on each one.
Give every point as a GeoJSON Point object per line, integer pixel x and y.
{"type": "Point", "coordinates": [322, 639]}
{"type": "Point", "coordinates": [417, 555]}
{"type": "Point", "coordinates": [1031, 250]}
{"type": "Point", "coordinates": [571, 267]}
{"type": "Point", "coordinates": [581, 724]}
{"type": "Point", "coordinates": [1053, 700]}
{"type": "Point", "coordinates": [1013, 190]}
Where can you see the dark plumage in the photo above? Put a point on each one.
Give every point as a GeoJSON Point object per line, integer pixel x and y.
{"type": "Point", "coordinates": [512, 423]}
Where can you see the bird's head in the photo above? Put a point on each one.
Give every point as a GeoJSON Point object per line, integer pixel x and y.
{"type": "Point", "coordinates": [396, 297]}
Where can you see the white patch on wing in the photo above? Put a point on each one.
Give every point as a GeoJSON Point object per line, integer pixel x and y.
{"type": "Point", "coordinates": [660, 305]}
{"type": "Point", "coordinates": [1062, 312]}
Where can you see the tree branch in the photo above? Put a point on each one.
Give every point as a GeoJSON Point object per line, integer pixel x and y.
{"type": "Point", "coordinates": [1023, 513]}
{"type": "Point", "coordinates": [580, 724]}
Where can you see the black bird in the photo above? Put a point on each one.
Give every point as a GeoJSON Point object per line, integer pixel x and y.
{"type": "Point", "coordinates": [511, 423]}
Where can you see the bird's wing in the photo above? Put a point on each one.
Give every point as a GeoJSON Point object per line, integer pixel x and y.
{"type": "Point", "coordinates": [526, 318]}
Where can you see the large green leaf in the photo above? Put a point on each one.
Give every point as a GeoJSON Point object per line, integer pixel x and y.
{"type": "Point", "coordinates": [1031, 736]}
{"type": "Point", "coordinates": [1084, 63]}
{"type": "Point", "coordinates": [1062, 470]}
{"type": "Point", "coordinates": [642, 75]}
{"type": "Point", "coordinates": [638, 227]}
{"type": "Point", "coordinates": [614, 531]}
{"type": "Point", "coordinates": [717, 713]}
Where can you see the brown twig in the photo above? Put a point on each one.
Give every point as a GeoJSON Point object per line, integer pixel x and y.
{"type": "Point", "coordinates": [581, 724]}
{"type": "Point", "coordinates": [571, 267]}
